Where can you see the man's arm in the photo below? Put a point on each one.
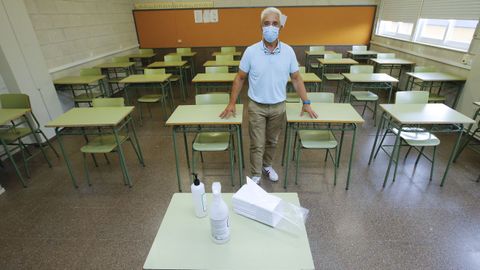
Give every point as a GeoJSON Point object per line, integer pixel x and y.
{"type": "Point", "coordinates": [299, 86]}
{"type": "Point", "coordinates": [236, 88]}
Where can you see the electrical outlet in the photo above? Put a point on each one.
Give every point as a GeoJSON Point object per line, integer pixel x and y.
{"type": "Point", "coordinates": [467, 59]}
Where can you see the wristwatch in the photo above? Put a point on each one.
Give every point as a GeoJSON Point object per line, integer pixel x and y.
{"type": "Point", "coordinates": [307, 102]}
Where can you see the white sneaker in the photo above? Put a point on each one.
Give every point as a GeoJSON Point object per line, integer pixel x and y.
{"type": "Point", "coordinates": [271, 173]}
{"type": "Point", "coordinates": [256, 179]}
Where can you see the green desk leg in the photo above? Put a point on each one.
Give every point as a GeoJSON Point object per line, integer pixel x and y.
{"type": "Point", "coordinates": [137, 143]}
{"type": "Point", "coordinates": [67, 161]}
{"type": "Point", "coordinates": [396, 145]}
{"type": "Point", "coordinates": [341, 144]}
{"type": "Point", "coordinates": [240, 152]}
{"type": "Point", "coordinates": [380, 127]}
{"type": "Point", "coordinates": [289, 131]}
{"type": "Point", "coordinates": [174, 136]}
{"type": "Point", "coordinates": [450, 159]}
{"type": "Point", "coordinates": [121, 157]}
{"type": "Point", "coordinates": [351, 156]}
{"type": "Point", "coordinates": [17, 171]}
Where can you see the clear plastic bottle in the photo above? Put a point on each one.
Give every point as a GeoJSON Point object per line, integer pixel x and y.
{"type": "Point", "coordinates": [219, 223]}
{"type": "Point", "coordinates": [199, 197]}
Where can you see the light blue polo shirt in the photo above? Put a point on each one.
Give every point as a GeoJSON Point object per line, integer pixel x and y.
{"type": "Point", "coordinates": [268, 73]}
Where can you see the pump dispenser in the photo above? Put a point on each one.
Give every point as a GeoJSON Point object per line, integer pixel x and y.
{"type": "Point", "coordinates": [199, 197]}
{"type": "Point", "coordinates": [219, 224]}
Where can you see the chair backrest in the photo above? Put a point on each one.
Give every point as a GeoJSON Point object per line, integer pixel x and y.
{"type": "Point", "coordinates": [212, 98]}
{"type": "Point", "coordinates": [359, 48]}
{"type": "Point", "coordinates": [222, 69]}
{"type": "Point", "coordinates": [143, 51]}
{"type": "Point", "coordinates": [333, 56]}
{"type": "Point", "coordinates": [226, 57]}
{"type": "Point", "coordinates": [411, 97]}
{"type": "Point", "coordinates": [385, 55]}
{"type": "Point", "coordinates": [154, 71]}
{"type": "Point", "coordinates": [172, 58]}
{"type": "Point", "coordinates": [120, 59]}
{"type": "Point", "coordinates": [15, 101]}
{"type": "Point", "coordinates": [108, 102]}
{"type": "Point", "coordinates": [184, 50]}
{"type": "Point", "coordinates": [301, 69]}
{"type": "Point", "coordinates": [316, 48]}
{"type": "Point", "coordinates": [321, 97]}
{"type": "Point", "coordinates": [424, 69]}
{"type": "Point", "coordinates": [361, 69]}
{"type": "Point", "coordinates": [90, 72]}
{"type": "Point", "coordinates": [228, 49]}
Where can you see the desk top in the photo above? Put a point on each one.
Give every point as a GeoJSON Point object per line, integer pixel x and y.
{"type": "Point", "coordinates": [91, 117]}
{"type": "Point", "coordinates": [167, 64]}
{"type": "Point", "coordinates": [78, 80]}
{"type": "Point", "coordinates": [392, 61]}
{"type": "Point", "coordinates": [204, 115]}
{"type": "Point", "coordinates": [341, 61]}
{"type": "Point", "coordinates": [214, 63]}
{"type": "Point", "coordinates": [314, 53]}
{"type": "Point", "coordinates": [184, 54]}
{"type": "Point", "coordinates": [214, 77]}
{"type": "Point", "coordinates": [142, 78]}
{"type": "Point", "coordinates": [7, 115]}
{"type": "Point", "coordinates": [342, 113]}
{"type": "Point", "coordinates": [183, 241]}
{"type": "Point", "coordinates": [227, 53]}
{"type": "Point", "coordinates": [435, 76]}
{"type": "Point", "coordinates": [308, 78]}
{"type": "Point", "coordinates": [115, 65]}
{"type": "Point", "coordinates": [369, 77]}
{"type": "Point", "coordinates": [362, 52]}
{"type": "Point", "coordinates": [141, 55]}
{"type": "Point", "coordinates": [425, 114]}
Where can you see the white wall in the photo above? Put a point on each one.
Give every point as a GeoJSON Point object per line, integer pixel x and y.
{"type": "Point", "coordinates": [3, 87]}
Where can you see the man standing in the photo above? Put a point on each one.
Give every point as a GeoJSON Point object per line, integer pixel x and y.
{"type": "Point", "coordinates": [268, 65]}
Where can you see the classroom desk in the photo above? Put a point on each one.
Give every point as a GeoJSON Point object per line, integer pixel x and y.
{"type": "Point", "coordinates": [143, 58]}
{"type": "Point", "coordinates": [179, 65]}
{"type": "Point", "coordinates": [215, 63]}
{"type": "Point", "coordinates": [183, 241]}
{"type": "Point", "coordinates": [113, 70]}
{"type": "Point", "coordinates": [6, 116]}
{"type": "Point", "coordinates": [209, 81]}
{"type": "Point", "coordinates": [190, 57]}
{"type": "Point", "coordinates": [427, 80]}
{"type": "Point", "coordinates": [440, 117]}
{"type": "Point", "coordinates": [392, 64]}
{"type": "Point", "coordinates": [368, 81]}
{"type": "Point", "coordinates": [161, 81]}
{"type": "Point", "coordinates": [335, 116]}
{"type": "Point", "coordinates": [313, 54]}
{"type": "Point", "coordinates": [338, 65]}
{"type": "Point", "coordinates": [235, 54]}
{"type": "Point", "coordinates": [205, 118]}
{"type": "Point", "coordinates": [362, 55]}
{"type": "Point", "coordinates": [82, 83]}
{"type": "Point", "coordinates": [114, 118]}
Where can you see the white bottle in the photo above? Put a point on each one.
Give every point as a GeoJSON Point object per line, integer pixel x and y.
{"type": "Point", "coordinates": [219, 224]}
{"type": "Point", "coordinates": [199, 197]}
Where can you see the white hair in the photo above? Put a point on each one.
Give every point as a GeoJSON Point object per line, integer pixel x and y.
{"type": "Point", "coordinates": [270, 10]}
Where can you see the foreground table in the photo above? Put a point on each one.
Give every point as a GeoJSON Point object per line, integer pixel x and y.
{"type": "Point", "coordinates": [183, 241]}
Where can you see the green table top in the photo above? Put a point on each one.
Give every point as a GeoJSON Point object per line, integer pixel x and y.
{"type": "Point", "coordinates": [341, 61]}
{"type": "Point", "coordinates": [435, 76]}
{"type": "Point", "coordinates": [7, 115]}
{"type": "Point", "coordinates": [204, 115]}
{"type": "Point", "coordinates": [369, 77]}
{"type": "Point", "coordinates": [183, 241]}
{"type": "Point", "coordinates": [363, 52]}
{"type": "Point", "coordinates": [392, 61]}
{"type": "Point", "coordinates": [160, 64]}
{"type": "Point", "coordinates": [184, 54]}
{"type": "Point", "coordinates": [425, 114]}
{"type": "Point", "coordinates": [141, 55]}
{"type": "Point", "coordinates": [214, 77]}
{"type": "Point", "coordinates": [142, 78]}
{"type": "Point", "coordinates": [71, 80]}
{"type": "Point", "coordinates": [342, 113]}
{"type": "Point", "coordinates": [115, 65]}
{"type": "Point", "coordinates": [91, 117]}
{"type": "Point", "coordinates": [214, 63]}
{"type": "Point", "coordinates": [227, 53]}
{"type": "Point", "coordinates": [316, 53]}
{"type": "Point", "coordinates": [308, 78]}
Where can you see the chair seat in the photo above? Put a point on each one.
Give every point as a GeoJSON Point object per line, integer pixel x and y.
{"type": "Point", "coordinates": [293, 97]}
{"type": "Point", "coordinates": [314, 65]}
{"type": "Point", "coordinates": [211, 141]}
{"type": "Point", "coordinates": [333, 76]}
{"type": "Point", "coordinates": [364, 95]}
{"type": "Point", "coordinates": [317, 139]}
{"type": "Point", "coordinates": [11, 135]}
{"type": "Point", "coordinates": [87, 97]}
{"type": "Point", "coordinates": [418, 138]}
{"type": "Point", "coordinates": [435, 97]}
{"type": "Point", "coordinates": [174, 78]}
{"type": "Point", "coordinates": [102, 144]}
{"type": "Point", "coordinates": [150, 98]}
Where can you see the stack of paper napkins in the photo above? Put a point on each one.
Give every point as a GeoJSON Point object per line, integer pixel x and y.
{"type": "Point", "coordinates": [255, 203]}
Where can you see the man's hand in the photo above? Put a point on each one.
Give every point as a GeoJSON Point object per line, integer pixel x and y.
{"type": "Point", "coordinates": [308, 109]}
{"type": "Point", "coordinates": [229, 111]}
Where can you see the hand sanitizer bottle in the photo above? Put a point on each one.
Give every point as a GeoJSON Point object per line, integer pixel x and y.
{"type": "Point", "coordinates": [219, 224]}
{"type": "Point", "coordinates": [199, 197]}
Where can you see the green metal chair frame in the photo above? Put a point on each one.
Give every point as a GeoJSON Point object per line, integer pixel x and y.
{"type": "Point", "coordinates": [314, 65]}
{"type": "Point", "coordinates": [333, 72]}
{"type": "Point", "coordinates": [162, 97]}
{"type": "Point", "coordinates": [364, 96]}
{"type": "Point", "coordinates": [470, 136]}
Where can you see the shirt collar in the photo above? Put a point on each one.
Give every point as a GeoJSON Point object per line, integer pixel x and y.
{"type": "Point", "coordinates": [275, 51]}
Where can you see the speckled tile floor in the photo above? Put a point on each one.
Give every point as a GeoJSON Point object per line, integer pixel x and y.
{"type": "Point", "coordinates": [410, 224]}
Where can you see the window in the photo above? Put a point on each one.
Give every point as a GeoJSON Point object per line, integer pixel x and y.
{"type": "Point", "coordinates": [456, 34]}
{"type": "Point", "coordinates": [395, 29]}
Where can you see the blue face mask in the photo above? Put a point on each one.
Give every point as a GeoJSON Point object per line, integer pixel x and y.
{"type": "Point", "coordinates": [270, 33]}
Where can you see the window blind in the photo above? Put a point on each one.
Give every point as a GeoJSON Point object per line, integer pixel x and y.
{"type": "Point", "coordinates": [450, 9]}
{"type": "Point", "coordinates": [400, 11]}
